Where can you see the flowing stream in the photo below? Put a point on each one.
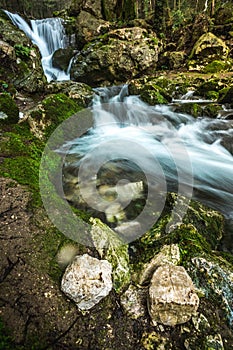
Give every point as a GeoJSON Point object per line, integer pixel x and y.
{"type": "Point", "coordinates": [174, 151]}
{"type": "Point", "coordinates": [48, 35]}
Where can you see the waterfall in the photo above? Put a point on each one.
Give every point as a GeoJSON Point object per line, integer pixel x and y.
{"type": "Point", "coordinates": [175, 151]}
{"type": "Point", "coordinates": [48, 35]}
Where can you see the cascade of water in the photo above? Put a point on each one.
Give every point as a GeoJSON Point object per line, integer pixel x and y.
{"type": "Point", "coordinates": [188, 150]}
{"type": "Point", "coordinates": [49, 35]}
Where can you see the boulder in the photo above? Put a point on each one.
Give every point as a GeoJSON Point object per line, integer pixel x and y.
{"type": "Point", "coordinates": [117, 56]}
{"type": "Point", "coordinates": [88, 27]}
{"type": "Point", "coordinates": [87, 280]}
{"type": "Point", "coordinates": [207, 49]}
{"type": "Point", "coordinates": [61, 58]}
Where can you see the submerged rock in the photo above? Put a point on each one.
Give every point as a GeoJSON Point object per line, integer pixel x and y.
{"type": "Point", "coordinates": [172, 299]}
{"type": "Point", "coordinates": [87, 280]}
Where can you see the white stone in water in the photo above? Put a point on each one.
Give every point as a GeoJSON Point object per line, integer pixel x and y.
{"type": "Point", "coordinates": [172, 297]}
{"type": "Point", "coordinates": [87, 280]}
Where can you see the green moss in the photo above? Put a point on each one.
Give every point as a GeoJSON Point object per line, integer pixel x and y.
{"type": "Point", "coordinates": [200, 231]}
{"type": "Point", "coordinates": [9, 108]}
{"type": "Point", "coordinates": [212, 95]}
{"type": "Point", "coordinates": [22, 52]}
{"type": "Point", "coordinates": [21, 152]}
{"type": "Point", "coordinates": [215, 67]}
{"type": "Point", "coordinates": [190, 108]}
{"type": "Point", "coordinates": [51, 243]}
{"type": "Point", "coordinates": [154, 94]}
{"type": "Point", "coordinates": [58, 108]}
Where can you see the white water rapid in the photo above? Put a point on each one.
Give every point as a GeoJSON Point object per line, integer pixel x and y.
{"type": "Point", "coordinates": [48, 35]}
{"type": "Point", "coordinates": [184, 152]}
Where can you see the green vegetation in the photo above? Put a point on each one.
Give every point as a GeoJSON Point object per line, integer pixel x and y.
{"type": "Point", "coordinates": [22, 52]}
{"type": "Point", "coordinates": [8, 107]}
{"type": "Point", "coordinates": [21, 152]}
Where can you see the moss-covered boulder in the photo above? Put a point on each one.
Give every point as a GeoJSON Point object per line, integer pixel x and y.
{"type": "Point", "coordinates": [52, 111]}
{"type": "Point", "coordinates": [154, 94]}
{"type": "Point", "coordinates": [226, 95]}
{"type": "Point", "coordinates": [207, 49]}
{"type": "Point", "coordinates": [9, 111]}
{"type": "Point", "coordinates": [117, 56]}
{"type": "Point", "coordinates": [113, 249]}
{"type": "Point", "coordinates": [81, 93]}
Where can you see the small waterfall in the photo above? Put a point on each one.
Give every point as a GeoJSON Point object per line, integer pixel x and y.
{"type": "Point", "coordinates": [186, 151]}
{"type": "Point", "coordinates": [48, 35]}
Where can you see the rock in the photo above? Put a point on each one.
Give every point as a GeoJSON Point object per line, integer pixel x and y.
{"type": "Point", "coordinates": [117, 56]}
{"type": "Point", "coordinates": [207, 49]}
{"type": "Point", "coordinates": [172, 299]}
{"type": "Point", "coordinates": [174, 59]}
{"type": "Point", "coordinates": [87, 281]}
{"type": "Point", "coordinates": [218, 282]}
{"type": "Point", "coordinates": [169, 254]}
{"type": "Point", "coordinates": [20, 59]}
{"type": "Point", "coordinates": [6, 50]}
{"type": "Point", "coordinates": [132, 302]}
{"type": "Point", "coordinates": [49, 113]}
{"type": "Point", "coordinates": [61, 58]}
{"type": "Point", "coordinates": [88, 28]}
{"type": "Point", "coordinates": [9, 111]}
{"type": "Point", "coordinates": [81, 93]}
{"type": "Point", "coordinates": [114, 250]}
{"type": "Point", "coordinates": [226, 96]}
{"type": "Point", "coordinates": [153, 94]}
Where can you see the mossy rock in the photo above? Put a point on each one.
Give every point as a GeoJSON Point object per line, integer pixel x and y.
{"type": "Point", "coordinates": [9, 111]}
{"type": "Point", "coordinates": [216, 67]}
{"type": "Point", "coordinates": [209, 87]}
{"type": "Point", "coordinates": [50, 113]}
{"type": "Point", "coordinates": [209, 47]}
{"type": "Point", "coordinates": [154, 94]}
{"type": "Point", "coordinates": [192, 108]}
{"type": "Point", "coordinates": [200, 231]}
{"type": "Point", "coordinates": [226, 95]}
{"type": "Point", "coordinates": [21, 153]}
{"type": "Point", "coordinates": [212, 110]}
